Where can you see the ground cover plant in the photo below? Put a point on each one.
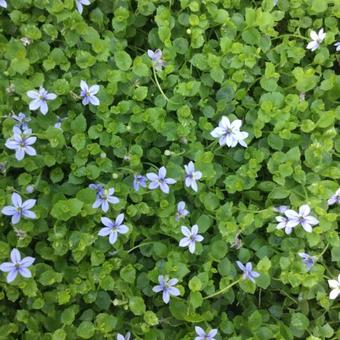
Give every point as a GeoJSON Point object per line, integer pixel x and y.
{"type": "Point", "coordinates": [169, 169]}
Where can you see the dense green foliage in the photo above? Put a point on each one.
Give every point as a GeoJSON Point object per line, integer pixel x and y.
{"type": "Point", "coordinates": [242, 59]}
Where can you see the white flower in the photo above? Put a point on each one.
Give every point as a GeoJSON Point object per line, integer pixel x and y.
{"type": "Point", "coordinates": [302, 217]}
{"type": "Point", "coordinates": [335, 284]}
{"type": "Point", "coordinates": [335, 198]}
{"type": "Point", "coordinates": [281, 209]}
{"type": "Point", "coordinates": [3, 3]}
{"type": "Point", "coordinates": [337, 46]}
{"type": "Point", "coordinates": [283, 224]}
{"type": "Point", "coordinates": [113, 228]}
{"type": "Point", "coordinates": [229, 133]}
{"type": "Point", "coordinates": [81, 3]}
{"type": "Point", "coordinates": [88, 93]}
{"type": "Point", "coordinates": [191, 176]}
{"type": "Point", "coordinates": [317, 39]}
{"type": "Point", "coordinates": [122, 337]}
{"type": "Point", "coordinates": [25, 41]}
{"type": "Point", "coordinates": [191, 237]}
{"type": "Point", "coordinates": [166, 286]}
{"type": "Point", "coordinates": [202, 335]}
{"type": "Point", "coordinates": [40, 98]}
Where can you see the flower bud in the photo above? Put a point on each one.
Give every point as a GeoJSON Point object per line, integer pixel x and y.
{"type": "Point", "coordinates": [30, 188]}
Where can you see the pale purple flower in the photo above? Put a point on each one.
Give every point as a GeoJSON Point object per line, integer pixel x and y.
{"type": "Point", "coordinates": [139, 181]}
{"type": "Point", "coordinates": [248, 272]}
{"type": "Point", "coordinates": [30, 189]}
{"type": "Point", "coordinates": [335, 284]}
{"type": "Point", "coordinates": [17, 266]}
{"type": "Point", "coordinates": [166, 286]}
{"type": "Point", "coordinates": [191, 176]}
{"type": "Point", "coordinates": [302, 217]}
{"type": "Point", "coordinates": [281, 209]}
{"type": "Point", "coordinates": [40, 98]}
{"type": "Point", "coordinates": [275, 2]}
{"type": "Point", "coordinates": [190, 238]}
{"type": "Point", "coordinates": [81, 3]}
{"type": "Point", "coordinates": [283, 224]}
{"type": "Point", "coordinates": [202, 335]}
{"type": "Point", "coordinates": [98, 187]}
{"type": "Point", "coordinates": [21, 142]}
{"type": "Point", "coordinates": [88, 93]}
{"type": "Point", "coordinates": [104, 197]}
{"type": "Point", "coordinates": [308, 260]}
{"type": "Point", "coordinates": [19, 209]}
{"type": "Point", "coordinates": [160, 180]}
{"type": "Point", "coordinates": [156, 58]}
{"type": "Point", "coordinates": [229, 133]}
{"type": "Point", "coordinates": [22, 121]}
{"type": "Point", "coordinates": [113, 228]}
{"type": "Point", "coordinates": [181, 211]}
{"type": "Point", "coordinates": [57, 125]}
{"type": "Point", "coordinates": [337, 46]}
{"type": "Point", "coordinates": [122, 337]}
{"type": "Point", "coordinates": [335, 198]}
{"type": "Point", "coordinates": [317, 39]}
{"type": "Point", "coordinates": [3, 3]}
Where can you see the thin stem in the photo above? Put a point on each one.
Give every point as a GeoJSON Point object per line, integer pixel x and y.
{"type": "Point", "coordinates": [158, 85]}
{"type": "Point", "coordinates": [152, 165]}
{"type": "Point", "coordinates": [287, 295]}
{"type": "Point", "coordinates": [298, 193]}
{"type": "Point", "coordinates": [221, 290]}
{"type": "Point", "coordinates": [324, 250]}
{"type": "Point", "coordinates": [248, 210]}
{"type": "Point", "coordinates": [305, 191]}
{"type": "Point", "coordinates": [211, 144]}
{"type": "Point", "coordinates": [127, 169]}
{"type": "Point", "coordinates": [290, 35]}
{"type": "Point", "coordinates": [38, 180]}
{"type": "Point", "coordinates": [140, 245]}
{"type": "Point", "coordinates": [74, 95]}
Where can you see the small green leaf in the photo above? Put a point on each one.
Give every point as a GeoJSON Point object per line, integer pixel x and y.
{"type": "Point", "coordinates": [86, 330]}
{"type": "Point", "coordinates": [123, 60]}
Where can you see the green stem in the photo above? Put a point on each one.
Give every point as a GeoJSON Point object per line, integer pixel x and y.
{"type": "Point", "coordinates": [38, 180]}
{"type": "Point", "coordinates": [298, 193]}
{"type": "Point", "coordinates": [127, 169]}
{"type": "Point", "coordinates": [158, 85]}
{"type": "Point", "coordinates": [290, 35]}
{"type": "Point", "coordinates": [252, 211]}
{"type": "Point", "coordinates": [287, 295]}
{"type": "Point", "coordinates": [305, 191]}
{"type": "Point", "coordinates": [212, 144]}
{"type": "Point", "coordinates": [140, 245]}
{"type": "Point", "coordinates": [74, 95]}
{"type": "Point", "coordinates": [152, 165]}
{"type": "Point", "coordinates": [221, 290]}
{"type": "Point", "coordinates": [324, 250]}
